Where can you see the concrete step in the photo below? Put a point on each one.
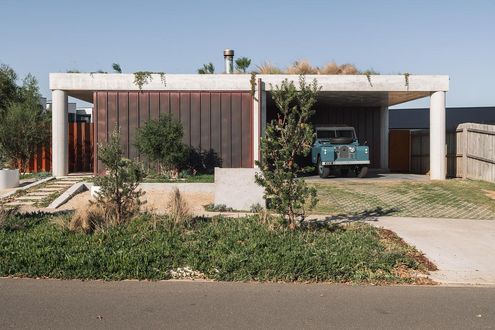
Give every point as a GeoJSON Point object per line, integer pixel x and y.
{"type": "Point", "coordinates": [50, 190]}
{"type": "Point", "coordinates": [30, 198]}
{"type": "Point", "coordinates": [19, 203]}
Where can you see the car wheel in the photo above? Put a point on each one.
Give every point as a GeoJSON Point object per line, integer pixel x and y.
{"type": "Point", "coordinates": [363, 172]}
{"type": "Point", "coordinates": [323, 171]}
{"type": "Point", "coordinates": [344, 172]}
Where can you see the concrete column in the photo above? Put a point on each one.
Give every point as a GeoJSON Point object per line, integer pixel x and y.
{"type": "Point", "coordinates": [437, 136]}
{"type": "Point", "coordinates": [259, 118]}
{"type": "Point", "coordinates": [60, 133]}
{"type": "Point", "coordinates": [384, 131]}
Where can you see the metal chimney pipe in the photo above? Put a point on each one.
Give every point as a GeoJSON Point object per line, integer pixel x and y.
{"type": "Point", "coordinates": [228, 55]}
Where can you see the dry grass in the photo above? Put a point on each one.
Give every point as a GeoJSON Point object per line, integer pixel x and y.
{"type": "Point", "coordinates": [329, 68]}
{"type": "Point", "coordinates": [302, 67]}
{"type": "Point", "coordinates": [89, 220]}
{"type": "Point", "coordinates": [178, 209]}
{"type": "Point", "coordinates": [348, 69]}
{"type": "Point", "coordinates": [268, 68]}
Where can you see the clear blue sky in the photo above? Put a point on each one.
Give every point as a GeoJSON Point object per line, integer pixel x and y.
{"type": "Point", "coordinates": [421, 37]}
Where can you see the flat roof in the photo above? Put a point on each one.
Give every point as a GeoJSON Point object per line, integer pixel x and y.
{"type": "Point", "coordinates": [393, 89]}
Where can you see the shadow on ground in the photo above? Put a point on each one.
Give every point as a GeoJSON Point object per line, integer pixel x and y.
{"type": "Point", "coordinates": [367, 215]}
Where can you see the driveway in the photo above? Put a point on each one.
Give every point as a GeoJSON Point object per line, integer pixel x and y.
{"type": "Point", "coordinates": [463, 250]}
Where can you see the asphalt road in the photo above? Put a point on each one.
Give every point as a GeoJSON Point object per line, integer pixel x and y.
{"type": "Point", "coordinates": [42, 304]}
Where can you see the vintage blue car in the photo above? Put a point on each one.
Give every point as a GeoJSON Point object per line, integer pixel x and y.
{"type": "Point", "coordinates": [337, 147]}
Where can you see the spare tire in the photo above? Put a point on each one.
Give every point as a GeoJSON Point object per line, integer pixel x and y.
{"type": "Point", "coordinates": [341, 140]}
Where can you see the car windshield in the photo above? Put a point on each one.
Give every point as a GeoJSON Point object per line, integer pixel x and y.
{"type": "Point", "coordinates": [330, 134]}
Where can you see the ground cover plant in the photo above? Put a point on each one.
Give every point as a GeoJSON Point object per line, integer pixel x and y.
{"type": "Point", "coordinates": [461, 199]}
{"type": "Point", "coordinates": [229, 249]}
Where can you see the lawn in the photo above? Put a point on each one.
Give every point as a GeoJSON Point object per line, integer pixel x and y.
{"type": "Point", "coordinates": [199, 178]}
{"type": "Point", "coordinates": [462, 199]}
{"type": "Point", "coordinates": [227, 249]}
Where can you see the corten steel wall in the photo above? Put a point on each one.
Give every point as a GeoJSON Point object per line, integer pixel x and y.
{"type": "Point", "coordinates": [366, 121]}
{"type": "Point", "coordinates": [221, 121]}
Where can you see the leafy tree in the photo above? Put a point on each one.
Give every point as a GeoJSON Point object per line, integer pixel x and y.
{"type": "Point", "coordinates": [119, 196]}
{"type": "Point", "coordinates": [207, 69]}
{"type": "Point", "coordinates": [242, 63]}
{"type": "Point", "coordinates": [116, 67]}
{"type": "Point", "coordinates": [24, 125]}
{"type": "Point", "coordinates": [161, 141]}
{"type": "Point", "coordinates": [287, 138]}
{"type": "Point", "coordinates": [8, 87]}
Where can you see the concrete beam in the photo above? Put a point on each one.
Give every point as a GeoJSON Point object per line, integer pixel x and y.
{"type": "Point", "coordinates": [438, 150]}
{"type": "Point", "coordinates": [218, 82]}
{"type": "Point", "coordinates": [60, 133]}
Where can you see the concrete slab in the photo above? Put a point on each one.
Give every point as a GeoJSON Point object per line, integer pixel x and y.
{"type": "Point", "coordinates": [236, 188]}
{"type": "Point", "coordinates": [461, 249]}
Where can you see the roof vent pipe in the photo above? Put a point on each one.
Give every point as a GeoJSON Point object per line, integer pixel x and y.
{"type": "Point", "coordinates": [228, 55]}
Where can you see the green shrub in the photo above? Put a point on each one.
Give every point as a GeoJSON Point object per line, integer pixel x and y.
{"type": "Point", "coordinates": [119, 194]}
{"type": "Point", "coordinates": [161, 141]}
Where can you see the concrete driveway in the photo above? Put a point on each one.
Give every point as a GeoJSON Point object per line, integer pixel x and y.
{"type": "Point", "coordinates": [463, 250]}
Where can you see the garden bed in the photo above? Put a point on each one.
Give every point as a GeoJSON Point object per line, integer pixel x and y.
{"type": "Point", "coordinates": [241, 249]}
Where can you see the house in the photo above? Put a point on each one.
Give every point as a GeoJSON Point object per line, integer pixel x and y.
{"type": "Point", "coordinates": [228, 113]}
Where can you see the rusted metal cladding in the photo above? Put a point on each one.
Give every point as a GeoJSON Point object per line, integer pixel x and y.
{"type": "Point", "coordinates": [366, 121]}
{"type": "Point", "coordinates": [221, 121]}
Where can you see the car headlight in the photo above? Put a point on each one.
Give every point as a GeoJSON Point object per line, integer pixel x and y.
{"type": "Point", "coordinates": [352, 149]}
{"type": "Point", "coordinates": [366, 150]}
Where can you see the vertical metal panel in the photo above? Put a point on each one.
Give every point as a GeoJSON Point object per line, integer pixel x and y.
{"type": "Point", "coordinates": [174, 105]}
{"type": "Point", "coordinates": [185, 116]}
{"type": "Point", "coordinates": [144, 108]}
{"type": "Point", "coordinates": [205, 121]}
{"type": "Point", "coordinates": [165, 103]}
{"type": "Point", "coordinates": [123, 104]}
{"type": "Point", "coordinates": [195, 120]}
{"type": "Point", "coordinates": [102, 123]}
{"type": "Point", "coordinates": [226, 122]}
{"type": "Point", "coordinates": [247, 124]}
{"type": "Point", "coordinates": [112, 111]}
{"type": "Point", "coordinates": [216, 124]}
{"type": "Point", "coordinates": [154, 105]}
{"type": "Point", "coordinates": [236, 130]}
{"type": "Point", "coordinates": [133, 122]}
{"type": "Point", "coordinates": [399, 150]}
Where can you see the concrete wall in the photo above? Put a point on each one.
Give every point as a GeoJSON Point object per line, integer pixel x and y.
{"type": "Point", "coordinates": [9, 178]}
{"type": "Point", "coordinates": [236, 188]}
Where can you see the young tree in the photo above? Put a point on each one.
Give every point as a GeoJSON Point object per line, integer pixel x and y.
{"type": "Point", "coordinates": [24, 125]}
{"type": "Point", "coordinates": [161, 141]}
{"type": "Point", "coordinates": [287, 138]}
{"type": "Point", "coordinates": [207, 69]}
{"type": "Point", "coordinates": [119, 196]}
{"type": "Point", "coordinates": [242, 63]}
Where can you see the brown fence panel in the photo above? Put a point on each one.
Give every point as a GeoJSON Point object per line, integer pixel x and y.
{"type": "Point", "coordinates": [80, 151]}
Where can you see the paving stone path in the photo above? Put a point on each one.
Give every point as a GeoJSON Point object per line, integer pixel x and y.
{"type": "Point", "coordinates": [431, 201]}
{"type": "Point", "coordinates": [44, 193]}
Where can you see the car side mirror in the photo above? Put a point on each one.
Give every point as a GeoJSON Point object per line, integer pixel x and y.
{"type": "Point", "coordinates": [365, 143]}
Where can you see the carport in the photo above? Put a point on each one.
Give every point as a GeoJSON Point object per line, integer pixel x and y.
{"type": "Point", "coordinates": [227, 113]}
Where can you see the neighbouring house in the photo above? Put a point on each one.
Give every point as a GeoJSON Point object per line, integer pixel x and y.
{"type": "Point", "coordinates": [227, 113]}
{"type": "Point", "coordinates": [409, 143]}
